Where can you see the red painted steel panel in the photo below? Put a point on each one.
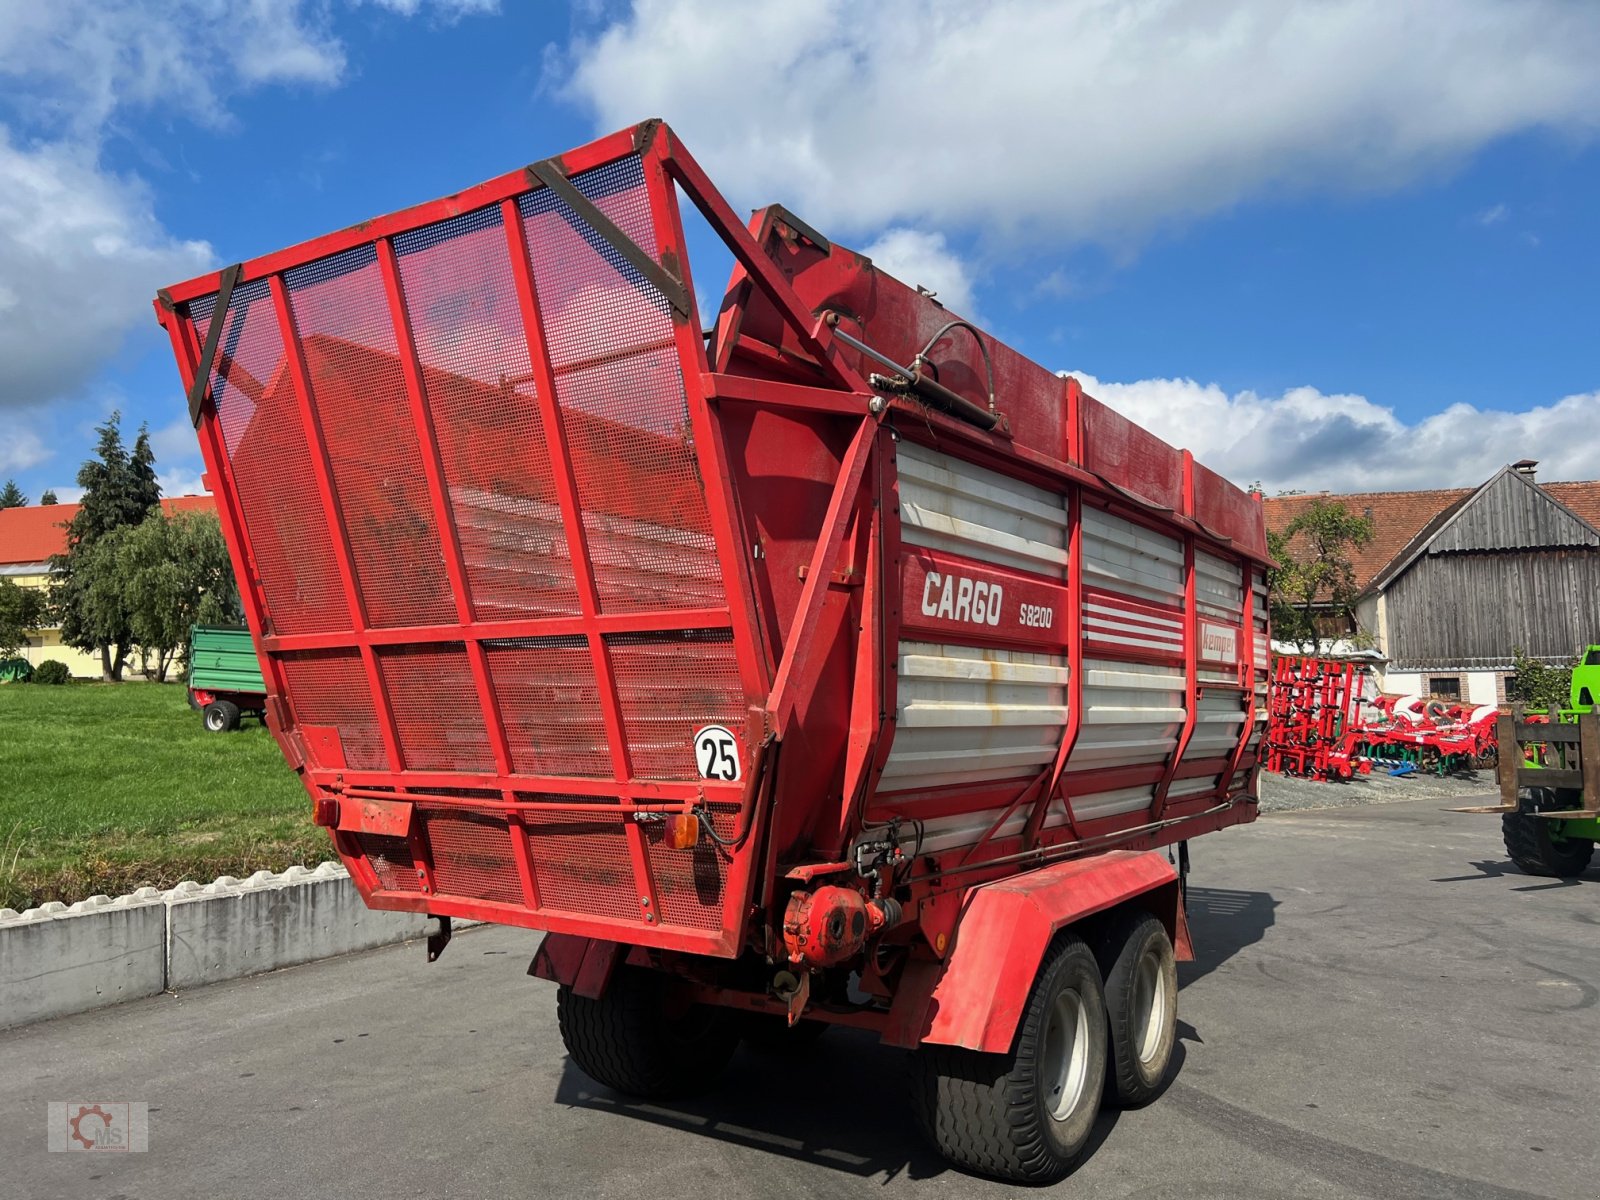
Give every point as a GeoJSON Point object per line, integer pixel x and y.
{"type": "Point", "coordinates": [947, 597]}
{"type": "Point", "coordinates": [1225, 510]}
{"type": "Point", "coordinates": [1131, 458]}
{"type": "Point", "coordinates": [976, 997]}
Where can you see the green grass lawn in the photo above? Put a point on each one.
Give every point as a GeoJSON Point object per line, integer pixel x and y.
{"type": "Point", "coordinates": [109, 787]}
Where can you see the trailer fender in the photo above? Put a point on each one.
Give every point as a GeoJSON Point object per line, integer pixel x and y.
{"type": "Point", "coordinates": [975, 997]}
{"type": "Point", "coordinates": [584, 964]}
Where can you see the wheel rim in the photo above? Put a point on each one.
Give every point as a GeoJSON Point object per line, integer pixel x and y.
{"type": "Point", "coordinates": [1066, 1053]}
{"type": "Point", "coordinates": [214, 721]}
{"type": "Point", "coordinates": [1149, 1006]}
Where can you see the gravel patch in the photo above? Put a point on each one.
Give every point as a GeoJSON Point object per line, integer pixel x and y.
{"type": "Point", "coordinates": [1281, 793]}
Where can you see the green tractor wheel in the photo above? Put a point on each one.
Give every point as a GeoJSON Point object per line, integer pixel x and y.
{"type": "Point", "coordinates": [1539, 846]}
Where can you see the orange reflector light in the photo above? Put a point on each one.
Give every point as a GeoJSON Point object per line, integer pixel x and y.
{"type": "Point", "coordinates": [683, 831]}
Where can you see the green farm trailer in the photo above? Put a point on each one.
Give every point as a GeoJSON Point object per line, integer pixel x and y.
{"type": "Point", "coordinates": [1549, 774]}
{"type": "Point", "coordinates": [224, 677]}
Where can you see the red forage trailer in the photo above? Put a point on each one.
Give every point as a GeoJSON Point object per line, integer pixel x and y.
{"type": "Point", "coordinates": [837, 665]}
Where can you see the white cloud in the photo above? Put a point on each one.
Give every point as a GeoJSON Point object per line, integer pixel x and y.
{"type": "Point", "coordinates": [81, 248]}
{"type": "Point", "coordinates": [1309, 440]}
{"type": "Point", "coordinates": [20, 449]}
{"type": "Point", "coordinates": [76, 62]}
{"type": "Point", "coordinates": [175, 440]}
{"type": "Point", "coordinates": [449, 10]}
{"type": "Point", "coordinates": [1093, 120]}
{"type": "Point", "coordinates": [84, 251]}
{"type": "Point", "coordinates": [923, 259]}
{"type": "Point", "coordinates": [1493, 215]}
{"type": "Point", "coordinates": [180, 482]}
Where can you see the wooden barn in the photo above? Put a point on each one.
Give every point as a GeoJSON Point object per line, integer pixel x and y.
{"type": "Point", "coordinates": [1456, 580]}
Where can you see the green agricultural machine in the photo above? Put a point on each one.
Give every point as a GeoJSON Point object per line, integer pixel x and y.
{"type": "Point", "coordinates": [1550, 780]}
{"type": "Point", "coordinates": [224, 677]}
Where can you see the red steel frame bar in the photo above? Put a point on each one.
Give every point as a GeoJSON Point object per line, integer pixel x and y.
{"type": "Point", "coordinates": [795, 672]}
{"type": "Point", "coordinates": [1247, 657]}
{"type": "Point", "coordinates": [454, 558]}
{"type": "Point", "coordinates": [813, 334]}
{"type": "Point", "coordinates": [869, 706]}
{"type": "Point", "coordinates": [716, 473]}
{"type": "Point", "coordinates": [338, 536]}
{"type": "Point", "coordinates": [1191, 649]}
{"type": "Point", "coordinates": [577, 539]}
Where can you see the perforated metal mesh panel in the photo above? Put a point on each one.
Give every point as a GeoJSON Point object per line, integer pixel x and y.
{"type": "Point", "coordinates": [266, 446]}
{"type": "Point", "coordinates": [435, 706]}
{"type": "Point", "coordinates": [359, 398]}
{"type": "Point", "coordinates": [412, 402]}
{"type": "Point", "coordinates": [467, 326]}
{"type": "Point", "coordinates": [689, 883]}
{"type": "Point", "coordinates": [581, 863]}
{"type": "Point", "coordinates": [390, 858]}
{"type": "Point", "coordinates": [611, 347]}
{"type": "Point", "coordinates": [670, 685]}
{"type": "Point", "coordinates": [472, 855]}
{"type": "Point", "coordinates": [550, 703]}
{"type": "Point", "coordinates": [329, 687]}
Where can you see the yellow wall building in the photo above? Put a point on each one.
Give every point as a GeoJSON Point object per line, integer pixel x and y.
{"type": "Point", "coordinates": [28, 537]}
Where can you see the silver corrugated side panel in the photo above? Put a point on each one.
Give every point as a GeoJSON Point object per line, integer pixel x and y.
{"type": "Point", "coordinates": [969, 714]}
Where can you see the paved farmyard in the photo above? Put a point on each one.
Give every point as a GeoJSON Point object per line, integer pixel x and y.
{"type": "Point", "coordinates": [1383, 1008]}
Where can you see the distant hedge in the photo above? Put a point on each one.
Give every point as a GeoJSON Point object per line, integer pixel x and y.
{"type": "Point", "coordinates": [52, 670]}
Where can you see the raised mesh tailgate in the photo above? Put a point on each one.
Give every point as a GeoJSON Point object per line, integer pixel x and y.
{"type": "Point", "coordinates": [466, 470]}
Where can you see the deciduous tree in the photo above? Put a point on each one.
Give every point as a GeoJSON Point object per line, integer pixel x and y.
{"type": "Point", "coordinates": [1314, 578]}
{"type": "Point", "coordinates": [119, 489]}
{"type": "Point", "coordinates": [175, 574]}
{"type": "Point", "coordinates": [22, 610]}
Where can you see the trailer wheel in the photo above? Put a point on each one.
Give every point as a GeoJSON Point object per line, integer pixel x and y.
{"type": "Point", "coordinates": [1141, 1005]}
{"type": "Point", "coordinates": [221, 716]}
{"type": "Point", "coordinates": [1026, 1115]}
{"type": "Point", "coordinates": [1536, 845]}
{"type": "Point", "coordinates": [635, 1040]}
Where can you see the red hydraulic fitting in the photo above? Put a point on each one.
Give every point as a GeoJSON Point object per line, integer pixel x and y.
{"type": "Point", "coordinates": [832, 924]}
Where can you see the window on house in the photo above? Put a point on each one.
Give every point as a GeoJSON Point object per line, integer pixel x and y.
{"type": "Point", "coordinates": [1445, 686]}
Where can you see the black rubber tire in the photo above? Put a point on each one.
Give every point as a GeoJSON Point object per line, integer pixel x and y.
{"type": "Point", "coordinates": [1530, 844]}
{"type": "Point", "coordinates": [631, 1041]}
{"type": "Point", "coordinates": [990, 1112]}
{"type": "Point", "coordinates": [774, 1035]}
{"type": "Point", "coordinates": [194, 703]}
{"type": "Point", "coordinates": [220, 716]}
{"type": "Point", "coordinates": [1134, 1078]}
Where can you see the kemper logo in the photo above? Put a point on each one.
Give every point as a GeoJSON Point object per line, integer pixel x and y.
{"type": "Point", "coordinates": [1219, 641]}
{"type": "Point", "coordinates": [955, 598]}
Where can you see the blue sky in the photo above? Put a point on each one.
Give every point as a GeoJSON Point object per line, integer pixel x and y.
{"type": "Point", "coordinates": [1333, 245]}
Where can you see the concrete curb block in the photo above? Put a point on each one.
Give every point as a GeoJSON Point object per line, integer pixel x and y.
{"type": "Point", "coordinates": [59, 959]}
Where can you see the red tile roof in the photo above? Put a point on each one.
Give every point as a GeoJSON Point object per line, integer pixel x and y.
{"type": "Point", "coordinates": [34, 533]}
{"type": "Point", "coordinates": [1399, 517]}
{"type": "Point", "coordinates": [1581, 498]}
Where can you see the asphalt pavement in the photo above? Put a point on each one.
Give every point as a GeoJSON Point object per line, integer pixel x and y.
{"type": "Point", "coordinates": [1383, 1007]}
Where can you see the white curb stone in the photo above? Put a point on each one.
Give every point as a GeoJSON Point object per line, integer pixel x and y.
{"type": "Point", "coordinates": [58, 959]}
{"type": "Point", "coordinates": [228, 928]}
